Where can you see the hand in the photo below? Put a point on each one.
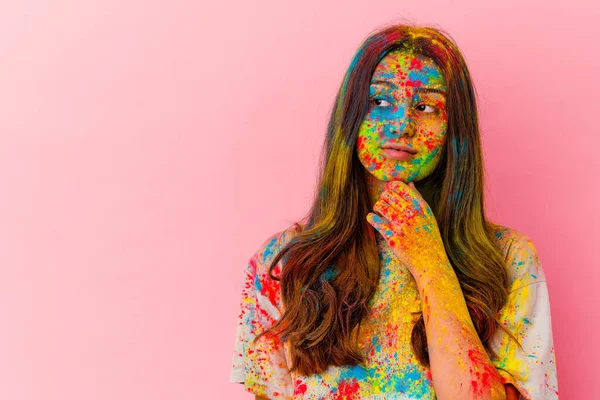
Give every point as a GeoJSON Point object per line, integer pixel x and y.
{"type": "Point", "coordinates": [410, 228]}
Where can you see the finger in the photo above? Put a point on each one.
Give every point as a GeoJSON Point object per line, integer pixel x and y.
{"type": "Point", "coordinates": [415, 190]}
{"type": "Point", "coordinates": [406, 210]}
{"type": "Point", "coordinates": [380, 224]}
{"type": "Point", "coordinates": [409, 198]}
{"type": "Point", "coordinates": [406, 190]}
{"type": "Point", "coordinates": [377, 222]}
{"type": "Point", "coordinates": [397, 199]}
{"type": "Point", "coordinates": [410, 193]}
{"type": "Point", "coordinates": [399, 188]}
{"type": "Point", "coordinates": [412, 185]}
{"type": "Point", "coordinates": [388, 211]}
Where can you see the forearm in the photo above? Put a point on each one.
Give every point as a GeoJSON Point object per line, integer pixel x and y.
{"type": "Point", "coordinates": [460, 366]}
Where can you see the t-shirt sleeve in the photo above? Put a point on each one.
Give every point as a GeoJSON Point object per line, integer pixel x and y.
{"type": "Point", "coordinates": [532, 370]}
{"type": "Point", "coordinates": [261, 366]}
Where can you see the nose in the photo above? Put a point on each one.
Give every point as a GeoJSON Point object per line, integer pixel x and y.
{"type": "Point", "coordinates": [401, 123]}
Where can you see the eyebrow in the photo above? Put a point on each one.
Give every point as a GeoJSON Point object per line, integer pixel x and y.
{"type": "Point", "coordinates": [419, 89]}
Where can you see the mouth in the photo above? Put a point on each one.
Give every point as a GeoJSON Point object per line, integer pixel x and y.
{"type": "Point", "coordinates": [397, 154]}
{"type": "Point", "coordinates": [396, 147]}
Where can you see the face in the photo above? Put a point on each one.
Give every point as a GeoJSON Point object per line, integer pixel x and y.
{"type": "Point", "coordinates": [407, 107]}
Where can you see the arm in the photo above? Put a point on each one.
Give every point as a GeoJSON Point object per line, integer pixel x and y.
{"type": "Point", "coordinates": [496, 389]}
{"type": "Point", "coordinates": [460, 366]}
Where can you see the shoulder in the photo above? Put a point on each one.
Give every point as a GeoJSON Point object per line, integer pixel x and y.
{"type": "Point", "coordinates": [520, 255]}
{"type": "Point", "coordinates": [258, 269]}
{"type": "Point", "coordinates": [272, 245]}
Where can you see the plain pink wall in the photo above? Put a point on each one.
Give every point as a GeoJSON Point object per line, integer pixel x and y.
{"type": "Point", "coordinates": [147, 149]}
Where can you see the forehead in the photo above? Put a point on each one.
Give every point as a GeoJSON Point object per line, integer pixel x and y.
{"type": "Point", "coordinates": [402, 66]}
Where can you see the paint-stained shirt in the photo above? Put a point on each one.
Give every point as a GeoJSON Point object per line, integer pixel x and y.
{"type": "Point", "coordinates": [391, 370]}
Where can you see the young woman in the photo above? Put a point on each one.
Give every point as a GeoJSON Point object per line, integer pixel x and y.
{"type": "Point", "coordinates": [396, 285]}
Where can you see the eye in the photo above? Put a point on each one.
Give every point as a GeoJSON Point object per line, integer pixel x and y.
{"type": "Point", "coordinates": [381, 102]}
{"type": "Point", "coordinates": [433, 109]}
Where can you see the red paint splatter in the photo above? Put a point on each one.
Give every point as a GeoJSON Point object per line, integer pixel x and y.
{"type": "Point", "coordinates": [414, 84]}
{"type": "Point", "coordinates": [270, 287]}
{"type": "Point", "coordinates": [474, 386]}
{"type": "Point", "coordinates": [251, 273]}
{"type": "Point", "coordinates": [360, 142]}
{"type": "Point", "coordinates": [300, 387]}
{"type": "Point", "coordinates": [415, 63]}
{"type": "Point", "coordinates": [428, 375]}
{"type": "Point", "coordinates": [347, 390]}
{"type": "Point", "coordinates": [479, 360]}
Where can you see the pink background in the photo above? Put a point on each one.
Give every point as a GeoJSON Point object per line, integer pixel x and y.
{"type": "Point", "coordinates": [148, 148]}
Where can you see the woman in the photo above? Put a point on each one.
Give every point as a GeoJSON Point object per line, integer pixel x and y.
{"type": "Point", "coordinates": [397, 286]}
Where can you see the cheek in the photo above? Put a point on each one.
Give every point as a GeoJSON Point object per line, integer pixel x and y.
{"type": "Point", "coordinates": [432, 139]}
{"type": "Point", "coordinates": [368, 135]}
{"type": "Point", "coordinates": [432, 135]}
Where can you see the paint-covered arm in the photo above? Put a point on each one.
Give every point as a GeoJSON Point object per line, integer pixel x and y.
{"type": "Point", "coordinates": [460, 366]}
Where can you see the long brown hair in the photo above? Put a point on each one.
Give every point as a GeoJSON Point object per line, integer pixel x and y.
{"type": "Point", "coordinates": [332, 265]}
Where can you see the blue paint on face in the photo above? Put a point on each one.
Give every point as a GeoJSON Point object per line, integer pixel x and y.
{"type": "Point", "coordinates": [426, 74]}
{"type": "Point", "coordinates": [405, 110]}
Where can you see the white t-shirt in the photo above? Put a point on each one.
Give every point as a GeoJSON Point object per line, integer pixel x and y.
{"type": "Point", "coordinates": [391, 370]}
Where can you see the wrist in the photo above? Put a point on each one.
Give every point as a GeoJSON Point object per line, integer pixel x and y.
{"type": "Point", "coordinates": [440, 278]}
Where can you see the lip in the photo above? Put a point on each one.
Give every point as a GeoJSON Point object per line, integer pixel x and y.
{"type": "Point", "coordinates": [394, 146]}
{"type": "Point", "coordinates": [397, 154]}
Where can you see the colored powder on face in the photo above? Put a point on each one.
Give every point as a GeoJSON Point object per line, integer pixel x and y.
{"type": "Point", "coordinates": [399, 108]}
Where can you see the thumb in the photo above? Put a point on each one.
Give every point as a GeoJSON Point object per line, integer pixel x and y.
{"type": "Point", "coordinates": [412, 185]}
